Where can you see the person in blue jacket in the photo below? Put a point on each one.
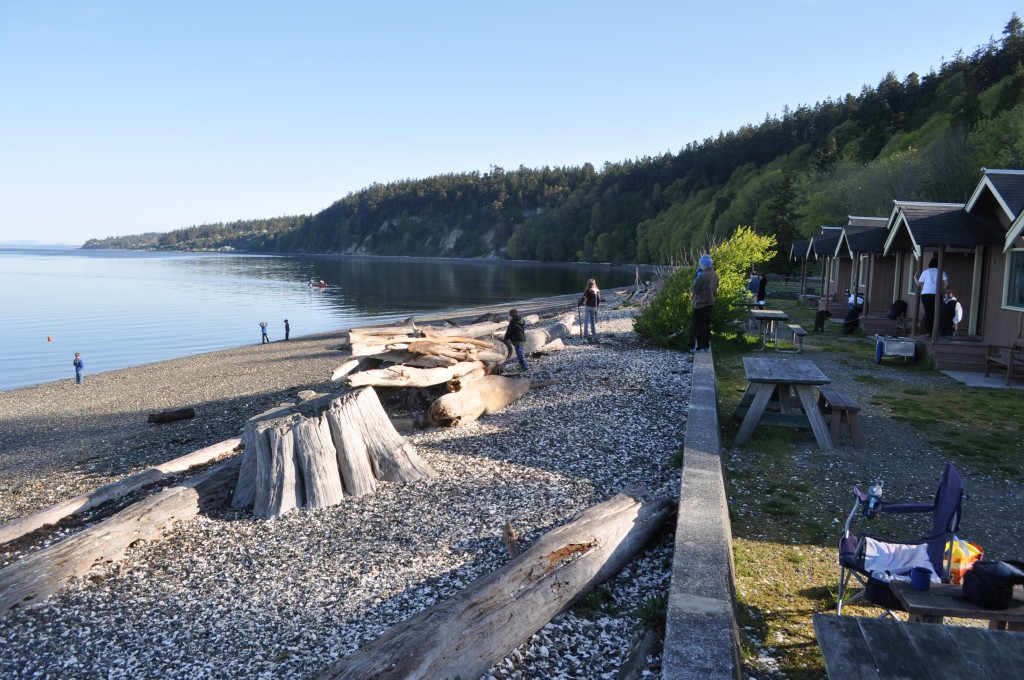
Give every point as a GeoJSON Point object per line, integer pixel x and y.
{"type": "Point", "coordinates": [79, 365]}
{"type": "Point", "coordinates": [263, 332]}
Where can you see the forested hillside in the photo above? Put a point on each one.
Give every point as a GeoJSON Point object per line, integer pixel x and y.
{"type": "Point", "coordinates": [915, 138]}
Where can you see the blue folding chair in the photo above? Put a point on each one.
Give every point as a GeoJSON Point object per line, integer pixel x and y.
{"type": "Point", "coordinates": [863, 558]}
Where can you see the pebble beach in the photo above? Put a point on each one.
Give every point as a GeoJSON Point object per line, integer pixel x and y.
{"type": "Point", "coordinates": [227, 595]}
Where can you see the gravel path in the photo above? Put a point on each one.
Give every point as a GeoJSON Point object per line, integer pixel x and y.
{"type": "Point", "coordinates": [227, 595]}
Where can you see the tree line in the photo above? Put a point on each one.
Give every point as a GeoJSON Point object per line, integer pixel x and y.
{"type": "Point", "coordinates": [915, 138]}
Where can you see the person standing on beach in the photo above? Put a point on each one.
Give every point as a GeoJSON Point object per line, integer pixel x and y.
{"type": "Point", "coordinates": [79, 365]}
{"type": "Point", "coordinates": [590, 301]}
{"type": "Point", "coordinates": [287, 329]}
{"type": "Point", "coordinates": [704, 291]}
{"type": "Point", "coordinates": [263, 332]}
{"type": "Point", "coordinates": [516, 334]}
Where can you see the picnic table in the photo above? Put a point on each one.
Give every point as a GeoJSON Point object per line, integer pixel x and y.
{"type": "Point", "coordinates": [854, 647]}
{"type": "Point", "coordinates": [945, 599]}
{"type": "Point", "coordinates": [782, 378]}
{"type": "Point", "coordinates": [768, 325]}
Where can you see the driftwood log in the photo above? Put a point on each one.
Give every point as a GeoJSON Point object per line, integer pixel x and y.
{"type": "Point", "coordinates": [171, 416]}
{"type": "Point", "coordinates": [44, 572]}
{"type": "Point", "coordinates": [470, 632]}
{"type": "Point", "coordinates": [296, 461]}
{"type": "Point", "coordinates": [19, 527]}
{"type": "Point", "coordinates": [410, 376]}
{"type": "Point", "coordinates": [489, 394]}
{"type": "Point", "coordinates": [538, 337]}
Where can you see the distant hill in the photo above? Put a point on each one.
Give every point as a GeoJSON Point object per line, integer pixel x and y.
{"type": "Point", "coordinates": [915, 138]}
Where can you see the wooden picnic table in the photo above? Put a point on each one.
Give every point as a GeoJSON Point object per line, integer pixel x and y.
{"type": "Point", "coordinates": [854, 647]}
{"type": "Point", "coordinates": [768, 324]}
{"type": "Point", "coordinates": [945, 599]}
{"type": "Point", "coordinates": [769, 377]}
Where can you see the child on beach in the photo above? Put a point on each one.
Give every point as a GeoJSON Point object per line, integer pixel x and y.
{"type": "Point", "coordinates": [516, 334]}
{"type": "Point", "coordinates": [263, 332]}
{"type": "Point", "coordinates": [79, 365]}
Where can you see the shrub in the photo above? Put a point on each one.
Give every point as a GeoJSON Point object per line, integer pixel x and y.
{"type": "Point", "coordinates": [667, 320]}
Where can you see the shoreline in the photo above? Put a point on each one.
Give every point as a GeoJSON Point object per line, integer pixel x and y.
{"type": "Point", "coordinates": [227, 594]}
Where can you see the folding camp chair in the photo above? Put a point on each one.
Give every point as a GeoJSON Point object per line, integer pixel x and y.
{"type": "Point", "coordinates": [870, 560]}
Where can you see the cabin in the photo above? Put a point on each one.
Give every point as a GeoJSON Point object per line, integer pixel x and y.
{"type": "Point", "coordinates": [961, 242]}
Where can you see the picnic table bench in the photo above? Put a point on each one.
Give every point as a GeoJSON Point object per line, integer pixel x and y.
{"type": "Point", "coordinates": [780, 378]}
{"type": "Point", "coordinates": [945, 599]}
{"type": "Point", "coordinates": [854, 647]}
{"type": "Point", "coordinates": [845, 414]}
{"type": "Point", "coordinates": [1008, 359]}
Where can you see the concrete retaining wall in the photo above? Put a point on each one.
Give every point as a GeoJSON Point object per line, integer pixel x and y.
{"type": "Point", "coordinates": [701, 636]}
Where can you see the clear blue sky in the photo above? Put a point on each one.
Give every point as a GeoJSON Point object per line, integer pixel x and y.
{"type": "Point", "coordinates": [120, 117]}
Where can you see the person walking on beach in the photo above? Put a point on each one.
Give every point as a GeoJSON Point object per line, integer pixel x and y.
{"type": "Point", "coordinates": [590, 301]}
{"type": "Point", "coordinates": [263, 332]}
{"type": "Point", "coordinates": [79, 365]}
{"type": "Point", "coordinates": [287, 329]}
{"type": "Point", "coordinates": [704, 291]}
{"type": "Point", "coordinates": [516, 334]}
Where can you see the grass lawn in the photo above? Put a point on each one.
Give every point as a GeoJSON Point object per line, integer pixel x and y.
{"type": "Point", "coordinates": [784, 522]}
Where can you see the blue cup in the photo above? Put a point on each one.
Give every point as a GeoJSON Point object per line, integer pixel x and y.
{"type": "Point", "coordinates": [920, 578]}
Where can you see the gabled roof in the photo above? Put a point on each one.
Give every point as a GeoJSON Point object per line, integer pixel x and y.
{"type": "Point", "coordinates": [1006, 187]}
{"type": "Point", "coordinates": [870, 240]}
{"type": "Point", "coordinates": [859, 221]}
{"type": "Point", "coordinates": [1015, 232]}
{"type": "Point", "coordinates": [916, 225]}
{"type": "Point", "coordinates": [823, 245]}
{"type": "Point", "coordinates": [798, 250]}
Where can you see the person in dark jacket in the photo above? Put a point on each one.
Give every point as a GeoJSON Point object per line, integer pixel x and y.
{"type": "Point", "coordinates": [704, 291]}
{"type": "Point", "coordinates": [762, 289]}
{"type": "Point", "coordinates": [590, 301]}
{"type": "Point", "coordinates": [287, 329]}
{"type": "Point", "coordinates": [516, 334]}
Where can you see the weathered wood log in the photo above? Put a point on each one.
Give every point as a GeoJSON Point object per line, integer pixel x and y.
{"type": "Point", "coordinates": [354, 464]}
{"type": "Point", "coordinates": [408, 376]}
{"type": "Point", "coordinates": [24, 525]}
{"type": "Point", "coordinates": [401, 356]}
{"type": "Point", "coordinates": [456, 384]}
{"type": "Point", "coordinates": [538, 337]}
{"type": "Point", "coordinates": [553, 346]}
{"type": "Point", "coordinates": [30, 580]}
{"type": "Point", "coordinates": [476, 330]}
{"type": "Point", "coordinates": [365, 431]}
{"type": "Point", "coordinates": [351, 366]}
{"type": "Point", "coordinates": [449, 340]}
{"type": "Point", "coordinates": [245, 489]}
{"type": "Point", "coordinates": [486, 395]}
{"type": "Point", "coordinates": [276, 490]}
{"type": "Point", "coordinates": [470, 632]}
{"type": "Point", "coordinates": [317, 462]}
{"type": "Point", "coordinates": [171, 416]}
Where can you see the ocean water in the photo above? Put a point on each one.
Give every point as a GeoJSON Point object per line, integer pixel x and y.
{"type": "Point", "coordinates": [125, 308]}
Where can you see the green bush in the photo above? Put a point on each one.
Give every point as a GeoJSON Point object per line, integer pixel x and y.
{"type": "Point", "coordinates": [667, 320]}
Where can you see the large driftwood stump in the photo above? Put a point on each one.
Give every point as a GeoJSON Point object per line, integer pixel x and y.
{"type": "Point", "coordinates": [296, 461]}
{"type": "Point", "coordinates": [560, 328]}
{"type": "Point", "coordinates": [470, 632]}
{"type": "Point", "coordinates": [489, 394]}
{"type": "Point", "coordinates": [44, 572]}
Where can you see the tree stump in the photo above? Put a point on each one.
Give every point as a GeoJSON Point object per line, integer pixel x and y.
{"type": "Point", "coordinates": [296, 461]}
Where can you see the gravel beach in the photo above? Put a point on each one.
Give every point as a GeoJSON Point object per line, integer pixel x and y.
{"type": "Point", "coordinates": [227, 595]}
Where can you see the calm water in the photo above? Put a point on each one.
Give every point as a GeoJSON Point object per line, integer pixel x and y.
{"type": "Point", "coordinates": [124, 308]}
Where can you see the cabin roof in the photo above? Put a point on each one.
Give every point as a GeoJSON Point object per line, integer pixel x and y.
{"type": "Point", "coordinates": [915, 225]}
{"type": "Point", "coordinates": [798, 249]}
{"type": "Point", "coordinates": [870, 240]}
{"type": "Point", "coordinates": [1005, 186]}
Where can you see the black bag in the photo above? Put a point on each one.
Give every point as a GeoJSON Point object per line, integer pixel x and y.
{"type": "Point", "coordinates": [898, 309]}
{"type": "Point", "coordinates": [989, 583]}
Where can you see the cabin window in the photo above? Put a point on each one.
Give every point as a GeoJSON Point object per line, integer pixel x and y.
{"type": "Point", "coordinates": [862, 275]}
{"type": "Point", "coordinates": [1015, 279]}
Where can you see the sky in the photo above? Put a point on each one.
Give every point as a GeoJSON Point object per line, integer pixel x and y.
{"type": "Point", "coordinates": [123, 117]}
